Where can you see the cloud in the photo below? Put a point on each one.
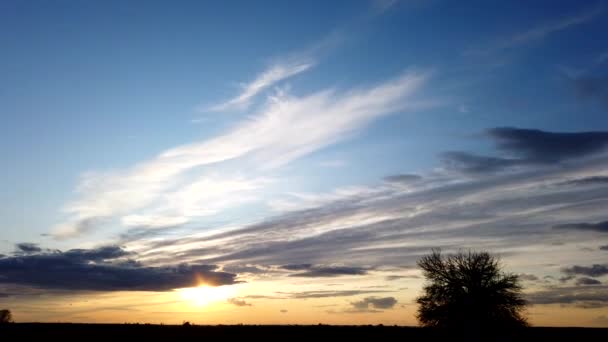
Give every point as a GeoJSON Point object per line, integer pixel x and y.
{"type": "Point", "coordinates": [245, 269]}
{"type": "Point", "coordinates": [325, 271]}
{"type": "Point", "coordinates": [27, 248]}
{"type": "Point", "coordinates": [173, 186]}
{"type": "Point", "coordinates": [596, 180]}
{"type": "Point", "coordinates": [385, 224]}
{"type": "Point", "coordinates": [527, 147]}
{"type": "Point", "coordinates": [382, 303]}
{"type": "Point", "coordinates": [592, 87]}
{"type": "Point", "coordinates": [587, 297]}
{"type": "Point", "coordinates": [328, 294]}
{"type": "Point", "coordinates": [473, 164]}
{"type": "Point", "coordinates": [390, 225]}
{"type": "Point", "coordinates": [398, 277]}
{"type": "Point", "coordinates": [536, 146]}
{"type": "Point", "coordinates": [97, 254]}
{"type": "Point", "coordinates": [296, 267]}
{"type": "Point", "coordinates": [595, 270]}
{"type": "Point", "coordinates": [267, 78]}
{"type": "Point", "coordinates": [403, 178]}
{"type": "Point", "coordinates": [238, 302]}
{"type": "Point", "coordinates": [315, 294]}
{"type": "Point", "coordinates": [300, 201]}
{"type": "Point", "coordinates": [103, 269]}
{"type": "Point", "coordinates": [538, 32]}
{"type": "Point", "coordinates": [527, 277]}
{"type": "Point", "coordinates": [601, 227]}
{"type": "Point", "coordinates": [587, 281]}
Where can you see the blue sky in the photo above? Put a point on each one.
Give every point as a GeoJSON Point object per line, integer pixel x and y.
{"type": "Point", "coordinates": [126, 123]}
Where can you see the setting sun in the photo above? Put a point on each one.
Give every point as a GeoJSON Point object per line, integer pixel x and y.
{"type": "Point", "coordinates": [204, 295]}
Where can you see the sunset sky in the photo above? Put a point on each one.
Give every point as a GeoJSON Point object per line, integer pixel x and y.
{"type": "Point", "coordinates": [287, 162]}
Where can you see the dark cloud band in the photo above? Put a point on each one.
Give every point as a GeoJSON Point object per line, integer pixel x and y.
{"type": "Point", "coordinates": [103, 269]}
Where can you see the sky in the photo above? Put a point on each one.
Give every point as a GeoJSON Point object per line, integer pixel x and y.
{"type": "Point", "coordinates": [282, 162]}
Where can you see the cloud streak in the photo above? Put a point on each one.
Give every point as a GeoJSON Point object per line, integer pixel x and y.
{"type": "Point", "coordinates": [538, 32]}
{"type": "Point", "coordinates": [388, 224]}
{"type": "Point", "coordinates": [587, 281]}
{"type": "Point", "coordinates": [382, 303]}
{"type": "Point", "coordinates": [310, 271]}
{"type": "Point", "coordinates": [266, 79]}
{"type": "Point", "coordinates": [601, 227]}
{"type": "Point", "coordinates": [285, 129]}
{"type": "Point", "coordinates": [586, 297]}
{"type": "Point", "coordinates": [528, 147]}
{"type": "Point", "coordinates": [595, 270]}
{"type": "Point", "coordinates": [327, 294]}
{"type": "Point", "coordinates": [238, 302]}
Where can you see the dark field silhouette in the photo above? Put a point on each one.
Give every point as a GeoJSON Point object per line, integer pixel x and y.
{"type": "Point", "coordinates": [144, 332]}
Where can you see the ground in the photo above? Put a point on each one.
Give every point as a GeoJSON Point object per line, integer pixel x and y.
{"type": "Point", "coordinates": [59, 332]}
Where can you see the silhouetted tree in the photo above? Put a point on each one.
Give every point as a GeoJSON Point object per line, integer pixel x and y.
{"type": "Point", "coordinates": [5, 316]}
{"type": "Point", "coordinates": [469, 290]}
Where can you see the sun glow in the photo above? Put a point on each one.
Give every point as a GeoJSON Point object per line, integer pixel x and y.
{"type": "Point", "coordinates": [205, 295]}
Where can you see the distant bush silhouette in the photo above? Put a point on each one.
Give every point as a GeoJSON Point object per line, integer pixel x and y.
{"type": "Point", "coordinates": [469, 290]}
{"type": "Point", "coordinates": [6, 316]}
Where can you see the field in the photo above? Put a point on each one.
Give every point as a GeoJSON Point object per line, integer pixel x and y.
{"type": "Point", "coordinates": [61, 331]}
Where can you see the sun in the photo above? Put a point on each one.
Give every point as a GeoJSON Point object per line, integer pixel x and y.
{"type": "Point", "coordinates": [204, 295]}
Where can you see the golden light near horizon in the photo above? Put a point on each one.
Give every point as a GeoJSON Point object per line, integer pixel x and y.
{"type": "Point", "coordinates": [204, 295]}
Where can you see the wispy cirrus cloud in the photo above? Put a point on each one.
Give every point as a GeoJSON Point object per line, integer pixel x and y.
{"type": "Point", "coordinates": [328, 271]}
{"type": "Point", "coordinates": [586, 297]}
{"type": "Point", "coordinates": [264, 80]}
{"type": "Point", "coordinates": [328, 294]}
{"type": "Point", "coordinates": [537, 32]}
{"type": "Point", "coordinates": [601, 227]}
{"type": "Point", "coordinates": [287, 127]}
{"type": "Point", "coordinates": [389, 224]}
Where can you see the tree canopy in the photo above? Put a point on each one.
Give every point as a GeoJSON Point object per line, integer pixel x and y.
{"type": "Point", "coordinates": [5, 316]}
{"type": "Point", "coordinates": [469, 290]}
